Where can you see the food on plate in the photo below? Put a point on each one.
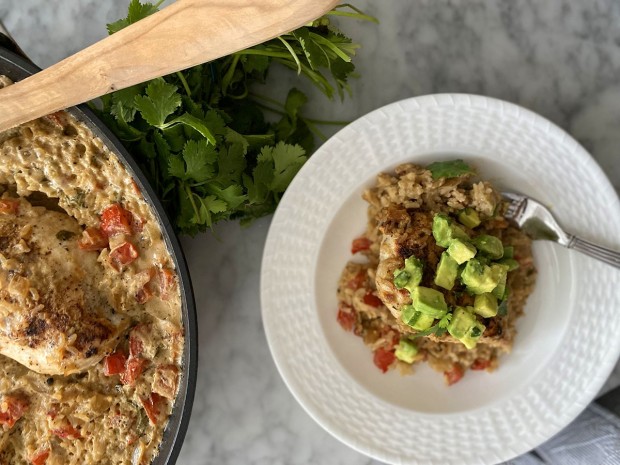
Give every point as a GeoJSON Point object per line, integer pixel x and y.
{"type": "Point", "coordinates": [445, 275]}
{"type": "Point", "coordinates": [91, 333]}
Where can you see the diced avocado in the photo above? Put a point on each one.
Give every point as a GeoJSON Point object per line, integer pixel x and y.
{"type": "Point", "coordinates": [444, 230]}
{"type": "Point", "coordinates": [429, 302]}
{"type": "Point", "coordinates": [469, 217]}
{"type": "Point", "coordinates": [410, 276]}
{"type": "Point", "coordinates": [446, 271]}
{"type": "Point", "coordinates": [461, 251]}
{"type": "Point", "coordinates": [490, 245]}
{"type": "Point", "coordinates": [500, 272]}
{"type": "Point", "coordinates": [479, 278]}
{"type": "Point", "coordinates": [462, 321]}
{"type": "Point", "coordinates": [441, 229]}
{"type": "Point", "coordinates": [509, 251]}
{"type": "Point", "coordinates": [465, 327]}
{"type": "Point", "coordinates": [485, 305]}
{"type": "Point", "coordinates": [471, 338]}
{"type": "Point", "coordinates": [406, 351]}
{"type": "Point", "coordinates": [417, 320]}
{"type": "Point", "coordinates": [511, 263]}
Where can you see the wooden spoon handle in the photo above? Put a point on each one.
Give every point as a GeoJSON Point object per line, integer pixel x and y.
{"type": "Point", "coordinates": [186, 33]}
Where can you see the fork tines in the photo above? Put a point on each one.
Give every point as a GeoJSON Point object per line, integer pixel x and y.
{"type": "Point", "coordinates": [516, 206]}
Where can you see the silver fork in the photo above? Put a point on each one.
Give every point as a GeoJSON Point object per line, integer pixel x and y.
{"type": "Point", "coordinates": [538, 222]}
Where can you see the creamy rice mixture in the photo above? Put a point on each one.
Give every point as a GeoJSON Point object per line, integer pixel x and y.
{"type": "Point", "coordinates": [114, 409]}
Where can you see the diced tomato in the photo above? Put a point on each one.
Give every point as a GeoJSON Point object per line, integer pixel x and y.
{"type": "Point", "coordinates": [167, 282]}
{"type": "Point", "coordinates": [454, 375]}
{"type": "Point", "coordinates": [133, 370]}
{"type": "Point", "coordinates": [116, 220]}
{"type": "Point", "coordinates": [346, 318]}
{"type": "Point", "coordinates": [357, 281]}
{"type": "Point", "coordinates": [114, 364]}
{"type": "Point", "coordinates": [40, 457]}
{"type": "Point", "coordinates": [383, 358]}
{"type": "Point", "coordinates": [9, 206]}
{"type": "Point", "coordinates": [123, 255]}
{"type": "Point", "coordinates": [360, 244]}
{"type": "Point", "coordinates": [12, 408]}
{"type": "Point", "coordinates": [93, 239]}
{"type": "Point", "coordinates": [372, 300]}
{"type": "Point", "coordinates": [151, 406]}
{"type": "Point", "coordinates": [67, 432]}
{"type": "Point", "coordinates": [480, 364]}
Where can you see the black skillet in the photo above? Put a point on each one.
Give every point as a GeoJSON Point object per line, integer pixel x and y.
{"type": "Point", "coordinates": [15, 65]}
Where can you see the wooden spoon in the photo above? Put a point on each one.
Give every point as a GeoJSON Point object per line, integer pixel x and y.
{"type": "Point", "coordinates": [185, 34]}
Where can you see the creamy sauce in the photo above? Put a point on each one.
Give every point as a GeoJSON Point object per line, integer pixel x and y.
{"type": "Point", "coordinates": [100, 415]}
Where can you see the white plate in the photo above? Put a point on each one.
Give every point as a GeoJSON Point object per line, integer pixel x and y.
{"type": "Point", "coordinates": [567, 342]}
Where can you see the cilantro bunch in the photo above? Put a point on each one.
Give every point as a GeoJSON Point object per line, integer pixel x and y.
{"type": "Point", "coordinates": [203, 136]}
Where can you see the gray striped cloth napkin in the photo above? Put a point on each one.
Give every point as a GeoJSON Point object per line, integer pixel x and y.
{"type": "Point", "coordinates": [592, 439]}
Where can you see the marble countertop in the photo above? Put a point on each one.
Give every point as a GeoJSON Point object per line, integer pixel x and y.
{"type": "Point", "coordinates": [559, 58]}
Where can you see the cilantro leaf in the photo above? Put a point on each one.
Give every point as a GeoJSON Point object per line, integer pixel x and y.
{"type": "Point", "coordinates": [231, 164]}
{"type": "Point", "coordinates": [288, 159]}
{"type": "Point", "coordinates": [160, 101]}
{"type": "Point", "coordinates": [137, 11]}
{"type": "Point", "coordinates": [449, 169]}
{"type": "Point", "coordinates": [199, 158]}
{"type": "Point", "coordinates": [123, 105]}
{"type": "Point", "coordinates": [233, 195]}
{"type": "Point", "coordinates": [176, 167]}
{"type": "Point", "coordinates": [194, 123]}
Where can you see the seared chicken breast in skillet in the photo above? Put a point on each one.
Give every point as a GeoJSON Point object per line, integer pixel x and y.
{"type": "Point", "coordinates": [54, 319]}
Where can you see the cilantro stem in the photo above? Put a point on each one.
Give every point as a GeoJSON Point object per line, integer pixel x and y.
{"type": "Point", "coordinates": [184, 82]}
{"type": "Point", "coordinates": [326, 122]}
{"type": "Point", "coordinates": [293, 54]}
{"type": "Point", "coordinates": [253, 51]}
{"type": "Point", "coordinates": [190, 195]}
{"type": "Point", "coordinates": [359, 14]}
{"type": "Point", "coordinates": [322, 122]}
{"type": "Point", "coordinates": [354, 15]}
{"type": "Point", "coordinates": [319, 38]}
{"type": "Point", "coordinates": [273, 110]}
{"type": "Point", "coordinates": [226, 80]}
{"type": "Point", "coordinates": [266, 99]}
{"type": "Point", "coordinates": [315, 130]}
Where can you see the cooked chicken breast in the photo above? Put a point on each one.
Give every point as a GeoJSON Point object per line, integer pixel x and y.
{"type": "Point", "coordinates": [53, 318]}
{"type": "Point", "coordinates": [404, 234]}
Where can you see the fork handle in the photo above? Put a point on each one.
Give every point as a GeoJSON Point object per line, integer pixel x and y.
{"type": "Point", "coordinates": [596, 251]}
